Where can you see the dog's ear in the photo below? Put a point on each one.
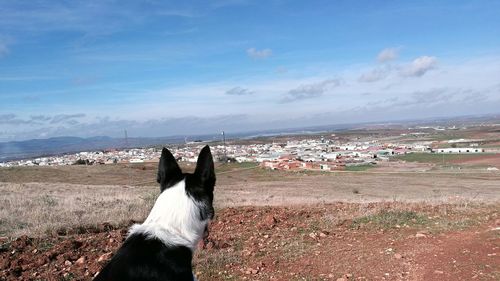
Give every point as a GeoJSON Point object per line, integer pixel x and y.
{"type": "Point", "coordinates": [169, 172]}
{"type": "Point", "coordinates": [205, 167]}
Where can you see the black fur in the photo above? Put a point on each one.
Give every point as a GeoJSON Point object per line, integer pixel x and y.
{"type": "Point", "coordinates": [147, 259]}
{"type": "Point", "coordinates": [200, 185]}
{"type": "Point", "coordinates": [169, 172]}
{"type": "Point", "coordinates": [143, 259]}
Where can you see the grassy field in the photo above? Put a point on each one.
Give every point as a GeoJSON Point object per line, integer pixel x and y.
{"type": "Point", "coordinates": [359, 168]}
{"type": "Point", "coordinates": [37, 200]}
{"type": "Point", "coordinates": [436, 158]}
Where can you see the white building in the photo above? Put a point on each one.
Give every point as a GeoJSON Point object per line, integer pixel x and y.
{"type": "Point", "coordinates": [459, 150]}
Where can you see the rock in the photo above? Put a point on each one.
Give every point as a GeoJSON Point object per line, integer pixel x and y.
{"type": "Point", "coordinates": [312, 235]}
{"type": "Point", "coordinates": [341, 279]}
{"type": "Point", "coordinates": [4, 263]}
{"type": "Point", "coordinates": [398, 256]}
{"type": "Point", "coordinates": [210, 245]}
{"type": "Point", "coordinates": [420, 235]}
{"type": "Point", "coordinates": [251, 271]}
{"type": "Point", "coordinates": [67, 263]}
{"type": "Point", "coordinates": [104, 257]}
{"type": "Point", "coordinates": [270, 221]}
{"type": "Point", "coordinates": [81, 260]}
{"type": "Point", "coordinates": [438, 272]}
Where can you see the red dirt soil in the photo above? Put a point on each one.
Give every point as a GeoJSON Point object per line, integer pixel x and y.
{"type": "Point", "coordinates": [491, 160]}
{"type": "Point", "coordinates": [279, 243]}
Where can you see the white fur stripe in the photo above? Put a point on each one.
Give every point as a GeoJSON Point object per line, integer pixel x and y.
{"type": "Point", "coordinates": [174, 219]}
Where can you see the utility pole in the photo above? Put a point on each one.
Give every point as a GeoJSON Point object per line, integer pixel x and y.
{"type": "Point", "coordinates": [224, 146]}
{"type": "Point", "coordinates": [128, 166]}
{"type": "Point", "coordinates": [126, 139]}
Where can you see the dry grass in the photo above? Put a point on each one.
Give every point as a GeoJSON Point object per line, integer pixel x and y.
{"type": "Point", "coordinates": [37, 200]}
{"type": "Point", "coordinates": [36, 208]}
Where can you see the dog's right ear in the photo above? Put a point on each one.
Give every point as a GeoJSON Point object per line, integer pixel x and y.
{"type": "Point", "coordinates": [169, 172]}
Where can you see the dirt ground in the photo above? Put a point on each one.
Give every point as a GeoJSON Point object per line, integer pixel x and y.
{"type": "Point", "coordinates": [270, 225]}
{"type": "Point", "coordinates": [297, 243]}
{"type": "Point", "coordinates": [483, 160]}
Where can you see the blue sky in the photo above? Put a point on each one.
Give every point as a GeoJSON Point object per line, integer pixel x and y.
{"type": "Point", "coordinates": [159, 68]}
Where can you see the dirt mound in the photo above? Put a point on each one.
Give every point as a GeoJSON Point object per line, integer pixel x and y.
{"type": "Point", "coordinates": [300, 243]}
{"type": "Point", "coordinates": [76, 254]}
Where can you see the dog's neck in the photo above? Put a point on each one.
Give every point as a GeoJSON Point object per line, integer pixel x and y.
{"type": "Point", "coordinates": [174, 219]}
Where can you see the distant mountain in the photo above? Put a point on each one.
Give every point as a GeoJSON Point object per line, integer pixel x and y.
{"type": "Point", "coordinates": [15, 150]}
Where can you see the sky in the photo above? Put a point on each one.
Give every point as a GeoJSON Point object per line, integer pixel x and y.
{"type": "Point", "coordinates": [162, 68]}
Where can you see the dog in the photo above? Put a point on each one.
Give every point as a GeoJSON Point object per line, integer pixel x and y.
{"type": "Point", "coordinates": [162, 247]}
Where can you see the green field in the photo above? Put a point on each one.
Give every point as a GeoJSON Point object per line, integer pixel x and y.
{"type": "Point", "coordinates": [359, 168]}
{"type": "Point", "coordinates": [235, 166]}
{"type": "Point", "coordinates": [436, 158]}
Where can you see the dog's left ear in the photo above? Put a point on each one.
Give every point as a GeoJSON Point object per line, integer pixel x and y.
{"type": "Point", "coordinates": [205, 167]}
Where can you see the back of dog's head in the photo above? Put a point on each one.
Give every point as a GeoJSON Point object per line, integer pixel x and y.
{"type": "Point", "coordinates": [198, 185]}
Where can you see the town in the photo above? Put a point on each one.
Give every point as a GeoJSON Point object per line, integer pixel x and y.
{"type": "Point", "coordinates": [310, 153]}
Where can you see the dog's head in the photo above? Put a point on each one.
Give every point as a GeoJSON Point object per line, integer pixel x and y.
{"type": "Point", "coordinates": [199, 185]}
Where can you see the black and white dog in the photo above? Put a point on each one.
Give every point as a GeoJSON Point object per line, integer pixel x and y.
{"type": "Point", "coordinates": [162, 247]}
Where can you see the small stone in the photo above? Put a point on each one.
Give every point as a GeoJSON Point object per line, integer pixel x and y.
{"type": "Point", "coordinates": [210, 245]}
{"type": "Point", "coordinates": [341, 279]}
{"type": "Point", "coordinates": [104, 257]}
{"type": "Point", "coordinates": [81, 260]}
{"type": "Point", "coordinates": [398, 256]}
{"type": "Point", "coordinates": [438, 272]}
{"type": "Point", "coordinates": [67, 263]}
{"type": "Point", "coordinates": [420, 235]}
{"type": "Point", "coordinates": [270, 221]}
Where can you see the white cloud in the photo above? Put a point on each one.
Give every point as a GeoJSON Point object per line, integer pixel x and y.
{"type": "Point", "coordinates": [310, 90]}
{"type": "Point", "coordinates": [374, 75]}
{"type": "Point", "coordinates": [388, 54]}
{"type": "Point", "coordinates": [3, 49]}
{"type": "Point", "coordinates": [419, 66]}
{"type": "Point", "coordinates": [238, 91]}
{"type": "Point", "coordinates": [259, 54]}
